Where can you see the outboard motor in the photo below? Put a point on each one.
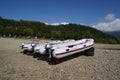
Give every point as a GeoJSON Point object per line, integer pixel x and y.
{"type": "Point", "coordinates": [22, 45]}
{"type": "Point", "coordinates": [48, 47]}
{"type": "Point", "coordinates": [33, 46]}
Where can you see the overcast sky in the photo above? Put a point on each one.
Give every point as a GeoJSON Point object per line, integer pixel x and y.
{"type": "Point", "coordinates": [101, 14]}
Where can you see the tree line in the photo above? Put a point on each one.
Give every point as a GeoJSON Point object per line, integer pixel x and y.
{"type": "Point", "coordinates": [25, 28]}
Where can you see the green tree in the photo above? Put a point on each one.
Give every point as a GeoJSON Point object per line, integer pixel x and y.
{"type": "Point", "coordinates": [28, 32]}
{"type": "Point", "coordinates": [55, 35]}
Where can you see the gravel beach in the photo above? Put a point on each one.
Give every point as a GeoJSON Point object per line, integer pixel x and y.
{"type": "Point", "coordinates": [16, 66]}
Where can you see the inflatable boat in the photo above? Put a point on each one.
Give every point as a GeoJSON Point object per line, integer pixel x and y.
{"type": "Point", "coordinates": [41, 47]}
{"type": "Point", "coordinates": [29, 47]}
{"type": "Point", "coordinates": [83, 45]}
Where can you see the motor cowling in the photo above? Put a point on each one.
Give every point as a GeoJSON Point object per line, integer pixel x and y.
{"type": "Point", "coordinates": [33, 45]}
{"type": "Point", "coordinates": [22, 46]}
{"type": "Point", "coordinates": [48, 47]}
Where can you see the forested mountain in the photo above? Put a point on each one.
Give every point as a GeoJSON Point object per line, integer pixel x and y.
{"type": "Point", "coordinates": [24, 28]}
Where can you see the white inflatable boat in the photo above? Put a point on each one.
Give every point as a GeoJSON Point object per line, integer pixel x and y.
{"type": "Point", "coordinates": [29, 47]}
{"type": "Point", "coordinates": [83, 45]}
{"type": "Point", "coordinates": [41, 47]}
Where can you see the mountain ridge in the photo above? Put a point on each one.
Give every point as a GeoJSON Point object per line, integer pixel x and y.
{"type": "Point", "coordinates": [114, 33]}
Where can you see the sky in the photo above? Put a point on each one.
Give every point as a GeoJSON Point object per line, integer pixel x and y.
{"type": "Point", "coordinates": [100, 14]}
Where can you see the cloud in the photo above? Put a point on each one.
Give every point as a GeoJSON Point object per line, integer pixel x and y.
{"type": "Point", "coordinates": [110, 17]}
{"type": "Point", "coordinates": [111, 23]}
{"type": "Point", "coordinates": [55, 24]}
{"type": "Point", "coordinates": [46, 23]}
{"type": "Point", "coordinates": [62, 23]}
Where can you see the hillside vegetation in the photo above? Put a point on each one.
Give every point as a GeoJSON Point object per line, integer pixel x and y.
{"type": "Point", "coordinates": [25, 28]}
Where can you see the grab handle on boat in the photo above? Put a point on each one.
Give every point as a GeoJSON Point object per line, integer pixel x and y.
{"type": "Point", "coordinates": [84, 45]}
{"type": "Point", "coordinates": [67, 49]}
{"type": "Point", "coordinates": [70, 46]}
